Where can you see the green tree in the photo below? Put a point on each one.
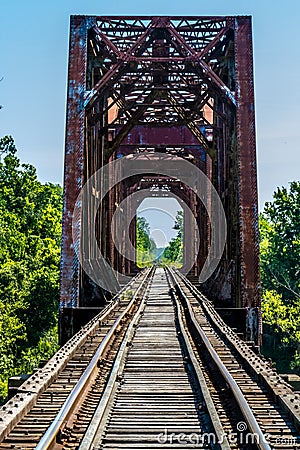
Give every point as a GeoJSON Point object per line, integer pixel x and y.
{"type": "Point", "coordinates": [145, 246]}
{"type": "Point", "coordinates": [280, 273]}
{"type": "Point", "coordinates": [30, 222]}
{"type": "Point", "coordinates": [174, 252]}
{"type": "Point", "coordinates": [280, 243]}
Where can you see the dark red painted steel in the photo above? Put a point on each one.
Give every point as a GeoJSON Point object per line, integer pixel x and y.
{"type": "Point", "coordinates": [167, 84]}
{"type": "Point", "coordinates": [248, 201]}
{"type": "Point", "coordinates": [74, 148]}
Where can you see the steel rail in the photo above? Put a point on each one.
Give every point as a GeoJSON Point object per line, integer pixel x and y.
{"type": "Point", "coordinates": [216, 423]}
{"type": "Point", "coordinates": [56, 365]}
{"type": "Point", "coordinates": [240, 398]}
{"type": "Point", "coordinates": [100, 415]}
{"type": "Point", "coordinates": [116, 299]}
{"type": "Point", "coordinates": [99, 422]}
{"type": "Point", "coordinates": [52, 431]}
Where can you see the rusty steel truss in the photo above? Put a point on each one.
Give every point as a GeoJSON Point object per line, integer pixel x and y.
{"type": "Point", "coordinates": [176, 85]}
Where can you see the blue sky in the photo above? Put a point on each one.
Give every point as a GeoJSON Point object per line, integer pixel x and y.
{"type": "Point", "coordinates": [160, 213]}
{"type": "Point", "coordinates": [34, 47]}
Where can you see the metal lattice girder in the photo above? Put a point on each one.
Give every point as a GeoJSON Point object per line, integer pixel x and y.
{"type": "Point", "coordinates": [179, 85]}
{"type": "Point", "coordinates": [127, 57]}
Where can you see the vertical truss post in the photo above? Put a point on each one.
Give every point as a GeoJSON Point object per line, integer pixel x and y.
{"type": "Point", "coordinates": [74, 148]}
{"type": "Point", "coordinates": [247, 182]}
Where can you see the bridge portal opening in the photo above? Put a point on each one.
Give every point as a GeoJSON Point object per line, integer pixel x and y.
{"type": "Point", "coordinates": [160, 231]}
{"type": "Point", "coordinates": [147, 95]}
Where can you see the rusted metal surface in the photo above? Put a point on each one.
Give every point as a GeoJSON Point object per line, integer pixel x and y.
{"type": "Point", "coordinates": [180, 86]}
{"type": "Point", "coordinates": [248, 203]}
{"type": "Point", "coordinates": [73, 167]}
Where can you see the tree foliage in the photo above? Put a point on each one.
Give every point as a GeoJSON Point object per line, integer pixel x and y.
{"type": "Point", "coordinates": [280, 268]}
{"type": "Point", "coordinates": [145, 246]}
{"type": "Point", "coordinates": [280, 245]}
{"type": "Point", "coordinates": [30, 222]}
{"type": "Point", "coordinates": [174, 252]}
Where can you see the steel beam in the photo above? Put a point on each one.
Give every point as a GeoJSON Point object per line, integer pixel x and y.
{"type": "Point", "coordinates": [169, 84]}
{"type": "Point", "coordinates": [74, 147]}
{"type": "Point", "coordinates": [247, 171]}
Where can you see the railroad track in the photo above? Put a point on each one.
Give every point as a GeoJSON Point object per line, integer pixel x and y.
{"type": "Point", "coordinates": [239, 379]}
{"type": "Point", "coordinates": [25, 418]}
{"type": "Point", "coordinates": [158, 370]}
{"type": "Point", "coordinates": [157, 395]}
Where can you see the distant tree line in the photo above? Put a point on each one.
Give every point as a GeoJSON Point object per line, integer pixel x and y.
{"type": "Point", "coordinates": [146, 250]}
{"type": "Point", "coordinates": [145, 245]}
{"type": "Point", "coordinates": [173, 253]}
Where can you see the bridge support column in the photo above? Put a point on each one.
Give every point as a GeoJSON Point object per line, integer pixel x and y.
{"type": "Point", "coordinates": [247, 173]}
{"type": "Point", "coordinates": [74, 156]}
